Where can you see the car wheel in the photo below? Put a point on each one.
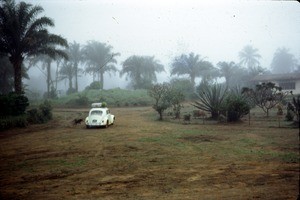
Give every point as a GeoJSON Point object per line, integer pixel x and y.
{"type": "Point", "coordinates": [107, 124]}
{"type": "Point", "coordinates": [113, 121]}
{"type": "Point", "coordinates": [87, 126]}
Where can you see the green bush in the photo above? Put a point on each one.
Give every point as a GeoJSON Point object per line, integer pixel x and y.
{"type": "Point", "coordinates": [13, 104]}
{"type": "Point", "coordinates": [40, 115]}
{"type": "Point", "coordinates": [80, 100]}
{"type": "Point", "coordinates": [13, 121]}
{"type": "Point", "coordinates": [96, 85]}
{"type": "Point", "coordinates": [236, 107]}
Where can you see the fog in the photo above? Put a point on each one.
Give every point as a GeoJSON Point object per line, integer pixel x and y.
{"type": "Point", "coordinates": [217, 30]}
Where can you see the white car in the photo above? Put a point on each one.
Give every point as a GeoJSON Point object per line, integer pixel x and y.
{"type": "Point", "coordinates": [99, 117]}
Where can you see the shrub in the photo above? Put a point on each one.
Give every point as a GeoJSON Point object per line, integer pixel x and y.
{"type": "Point", "coordinates": [236, 107]}
{"type": "Point", "coordinates": [81, 100]}
{"type": "Point", "coordinates": [13, 121]}
{"type": "Point", "coordinates": [211, 98]}
{"type": "Point", "coordinates": [40, 115]}
{"type": "Point", "coordinates": [71, 91]}
{"type": "Point", "coordinates": [13, 104]}
{"type": "Point", "coordinates": [96, 85]}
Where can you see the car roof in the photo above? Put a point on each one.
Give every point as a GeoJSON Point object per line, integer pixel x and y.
{"type": "Point", "coordinates": [102, 109]}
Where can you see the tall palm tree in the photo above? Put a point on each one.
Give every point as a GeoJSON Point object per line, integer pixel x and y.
{"type": "Point", "coordinates": [75, 57]}
{"type": "Point", "coordinates": [227, 70]}
{"type": "Point", "coordinates": [192, 65]}
{"type": "Point", "coordinates": [22, 34]}
{"type": "Point", "coordinates": [99, 59]}
{"type": "Point", "coordinates": [249, 57]}
{"type": "Point", "coordinates": [283, 61]}
{"type": "Point", "coordinates": [67, 72]}
{"type": "Point", "coordinates": [141, 70]}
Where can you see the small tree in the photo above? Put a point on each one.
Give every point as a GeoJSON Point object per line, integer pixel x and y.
{"type": "Point", "coordinates": [236, 107]}
{"type": "Point", "coordinates": [294, 107]}
{"type": "Point", "coordinates": [165, 96]}
{"type": "Point", "coordinates": [211, 98]}
{"type": "Point", "coordinates": [265, 95]}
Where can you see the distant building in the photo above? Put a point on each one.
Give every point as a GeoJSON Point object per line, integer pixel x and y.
{"type": "Point", "coordinates": [288, 82]}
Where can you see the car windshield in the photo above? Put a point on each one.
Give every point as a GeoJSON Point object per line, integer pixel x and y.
{"type": "Point", "coordinates": [96, 112]}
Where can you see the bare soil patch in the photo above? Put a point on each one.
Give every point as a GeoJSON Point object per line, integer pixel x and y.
{"type": "Point", "coordinates": [142, 158]}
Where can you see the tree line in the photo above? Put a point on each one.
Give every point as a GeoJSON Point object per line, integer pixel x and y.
{"type": "Point", "coordinates": [25, 42]}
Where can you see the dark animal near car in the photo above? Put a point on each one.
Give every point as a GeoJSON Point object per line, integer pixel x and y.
{"type": "Point", "coordinates": [77, 121]}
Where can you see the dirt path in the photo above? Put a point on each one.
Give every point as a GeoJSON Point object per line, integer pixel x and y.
{"type": "Point", "coordinates": [141, 158]}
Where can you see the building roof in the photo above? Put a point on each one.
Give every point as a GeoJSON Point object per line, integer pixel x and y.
{"type": "Point", "coordinates": [277, 77]}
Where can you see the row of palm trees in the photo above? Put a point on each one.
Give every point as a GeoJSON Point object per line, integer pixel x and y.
{"type": "Point", "coordinates": [24, 36]}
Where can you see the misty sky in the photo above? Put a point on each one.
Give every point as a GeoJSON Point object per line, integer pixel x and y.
{"type": "Point", "coordinates": [217, 30]}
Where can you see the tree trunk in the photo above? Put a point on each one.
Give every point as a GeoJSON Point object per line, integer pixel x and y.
{"type": "Point", "coordinates": [101, 80]}
{"type": "Point", "coordinates": [70, 83]}
{"type": "Point", "coordinates": [76, 77]}
{"type": "Point", "coordinates": [48, 78]}
{"type": "Point", "coordinates": [17, 64]}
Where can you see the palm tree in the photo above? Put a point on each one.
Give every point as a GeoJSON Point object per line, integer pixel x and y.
{"type": "Point", "coordinates": [249, 57]}
{"type": "Point", "coordinates": [141, 70]}
{"type": "Point", "coordinates": [67, 72]}
{"type": "Point", "coordinates": [99, 59]}
{"type": "Point", "coordinates": [75, 57]}
{"type": "Point", "coordinates": [227, 70]}
{"type": "Point", "coordinates": [192, 65]}
{"type": "Point", "coordinates": [22, 34]}
{"type": "Point", "coordinates": [283, 61]}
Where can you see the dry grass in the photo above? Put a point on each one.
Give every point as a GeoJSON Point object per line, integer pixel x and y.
{"type": "Point", "coordinates": [142, 158]}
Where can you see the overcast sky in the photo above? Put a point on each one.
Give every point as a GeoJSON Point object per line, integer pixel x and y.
{"type": "Point", "coordinates": [217, 30]}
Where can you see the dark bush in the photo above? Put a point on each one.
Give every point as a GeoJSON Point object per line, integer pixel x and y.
{"type": "Point", "coordinates": [40, 115]}
{"type": "Point", "coordinates": [13, 121]}
{"type": "Point", "coordinates": [13, 104]}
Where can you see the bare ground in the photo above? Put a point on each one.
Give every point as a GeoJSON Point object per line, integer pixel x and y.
{"type": "Point", "coordinates": [141, 158]}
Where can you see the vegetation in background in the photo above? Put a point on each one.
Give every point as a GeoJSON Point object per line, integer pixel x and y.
{"type": "Point", "coordinates": [165, 97]}
{"type": "Point", "coordinates": [185, 86]}
{"type": "Point", "coordinates": [192, 65]}
{"type": "Point", "coordinates": [211, 98]}
{"type": "Point", "coordinates": [141, 70]}
{"type": "Point", "coordinates": [266, 96]}
{"type": "Point", "coordinates": [99, 59]}
{"type": "Point", "coordinates": [96, 85]}
{"type": "Point", "coordinates": [40, 115]}
{"type": "Point", "coordinates": [23, 34]}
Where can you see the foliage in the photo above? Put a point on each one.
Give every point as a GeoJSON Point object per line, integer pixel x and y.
{"type": "Point", "coordinates": [6, 75]}
{"type": "Point", "coordinates": [211, 98]}
{"type": "Point", "coordinates": [52, 94]}
{"type": "Point", "coordinates": [81, 100]}
{"type": "Point", "coordinates": [13, 121]}
{"type": "Point", "coordinates": [236, 107]}
{"type": "Point", "coordinates": [249, 57]}
{"type": "Point", "coordinates": [191, 65]}
{"type": "Point", "coordinates": [23, 34]}
{"type": "Point", "coordinates": [13, 104]}
{"type": "Point", "coordinates": [95, 85]}
{"type": "Point", "coordinates": [70, 91]}
{"type": "Point", "coordinates": [99, 59]}
{"type": "Point", "coordinates": [184, 85]}
{"type": "Point", "coordinates": [294, 108]}
{"type": "Point", "coordinates": [283, 61]}
{"type": "Point", "coordinates": [164, 97]}
{"type": "Point", "coordinates": [141, 71]}
{"type": "Point", "coordinates": [265, 95]}
{"type": "Point", "coordinates": [40, 115]}
{"type": "Point", "coordinates": [113, 97]}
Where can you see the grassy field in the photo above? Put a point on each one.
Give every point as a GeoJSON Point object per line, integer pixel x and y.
{"type": "Point", "coordinates": [142, 158]}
